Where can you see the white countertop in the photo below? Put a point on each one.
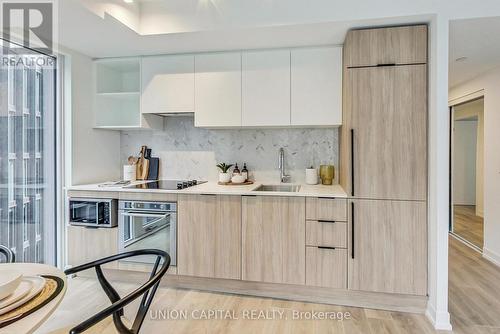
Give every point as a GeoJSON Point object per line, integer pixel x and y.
{"type": "Point", "coordinates": [214, 188]}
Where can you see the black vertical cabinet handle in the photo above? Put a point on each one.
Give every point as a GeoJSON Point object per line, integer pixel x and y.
{"type": "Point", "coordinates": [352, 230]}
{"type": "Point", "coordinates": [352, 162]}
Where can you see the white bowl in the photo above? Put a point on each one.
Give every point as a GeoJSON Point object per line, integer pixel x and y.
{"type": "Point", "coordinates": [9, 281]}
{"type": "Point", "coordinates": [238, 179]}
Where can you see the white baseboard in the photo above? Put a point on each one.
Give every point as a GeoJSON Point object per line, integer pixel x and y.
{"type": "Point", "coordinates": [440, 321]}
{"type": "Point", "coordinates": [491, 256]}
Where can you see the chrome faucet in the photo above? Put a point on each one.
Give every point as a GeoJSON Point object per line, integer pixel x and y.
{"type": "Point", "coordinates": [281, 165]}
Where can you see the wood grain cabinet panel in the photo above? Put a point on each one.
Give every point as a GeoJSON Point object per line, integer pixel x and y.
{"type": "Point", "coordinates": [209, 236]}
{"type": "Point", "coordinates": [273, 239]}
{"type": "Point", "coordinates": [228, 237]}
{"type": "Point", "coordinates": [387, 112]}
{"type": "Point", "coordinates": [332, 209]}
{"type": "Point", "coordinates": [197, 217]}
{"type": "Point", "coordinates": [392, 45]}
{"type": "Point", "coordinates": [390, 247]}
{"type": "Point", "coordinates": [329, 234]}
{"type": "Point", "coordinates": [90, 244]}
{"type": "Point", "coordinates": [326, 267]}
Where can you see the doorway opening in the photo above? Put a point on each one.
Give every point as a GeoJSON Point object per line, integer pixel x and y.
{"type": "Point", "coordinates": [467, 156]}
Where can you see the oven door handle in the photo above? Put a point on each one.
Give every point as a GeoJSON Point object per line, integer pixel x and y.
{"type": "Point", "coordinates": [145, 215]}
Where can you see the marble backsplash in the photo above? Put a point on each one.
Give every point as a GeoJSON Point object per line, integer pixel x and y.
{"type": "Point", "coordinates": [187, 152]}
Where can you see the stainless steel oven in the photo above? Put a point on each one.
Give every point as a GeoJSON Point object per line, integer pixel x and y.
{"type": "Point", "coordinates": [93, 212]}
{"type": "Point", "coordinates": [145, 225]}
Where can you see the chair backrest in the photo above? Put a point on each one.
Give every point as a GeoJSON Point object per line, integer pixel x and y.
{"type": "Point", "coordinates": [146, 290]}
{"type": "Point", "coordinates": [10, 257]}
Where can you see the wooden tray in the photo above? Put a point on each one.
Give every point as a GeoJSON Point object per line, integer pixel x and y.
{"type": "Point", "coordinates": [246, 183]}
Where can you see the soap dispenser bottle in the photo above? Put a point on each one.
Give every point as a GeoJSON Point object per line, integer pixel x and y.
{"type": "Point", "coordinates": [236, 170]}
{"type": "Point", "coordinates": [244, 171]}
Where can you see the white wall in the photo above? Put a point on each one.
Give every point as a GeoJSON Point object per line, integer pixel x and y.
{"type": "Point", "coordinates": [438, 191]}
{"type": "Point", "coordinates": [490, 83]}
{"type": "Point", "coordinates": [95, 154]}
{"type": "Point", "coordinates": [464, 162]}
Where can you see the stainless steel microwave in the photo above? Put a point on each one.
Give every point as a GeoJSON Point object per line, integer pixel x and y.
{"type": "Point", "coordinates": [93, 212]}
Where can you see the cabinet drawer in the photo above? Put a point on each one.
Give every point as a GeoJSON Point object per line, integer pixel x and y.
{"type": "Point", "coordinates": [326, 267]}
{"type": "Point", "coordinates": [333, 209]}
{"type": "Point", "coordinates": [329, 234]}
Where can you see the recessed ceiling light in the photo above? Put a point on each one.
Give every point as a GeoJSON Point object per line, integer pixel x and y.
{"type": "Point", "coordinates": [461, 59]}
{"type": "Point", "coordinates": [128, 1]}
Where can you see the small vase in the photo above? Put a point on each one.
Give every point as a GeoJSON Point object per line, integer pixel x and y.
{"type": "Point", "coordinates": [327, 174]}
{"type": "Point", "coordinates": [224, 177]}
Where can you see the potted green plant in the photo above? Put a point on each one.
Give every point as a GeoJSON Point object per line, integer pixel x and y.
{"type": "Point", "coordinates": [224, 174]}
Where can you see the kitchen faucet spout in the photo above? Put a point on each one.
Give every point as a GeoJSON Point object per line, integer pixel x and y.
{"type": "Point", "coordinates": [281, 165]}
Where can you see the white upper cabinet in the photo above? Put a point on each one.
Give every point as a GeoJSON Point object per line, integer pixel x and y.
{"type": "Point", "coordinates": [266, 88]}
{"type": "Point", "coordinates": [259, 88]}
{"type": "Point", "coordinates": [218, 89]}
{"type": "Point", "coordinates": [117, 104]}
{"type": "Point", "coordinates": [316, 86]}
{"type": "Point", "coordinates": [167, 84]}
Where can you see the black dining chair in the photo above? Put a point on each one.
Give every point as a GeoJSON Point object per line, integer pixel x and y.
{"type": "Point", "coordinates": [10, 257]}
{"type": "Point", "coordinates": [146, 290]}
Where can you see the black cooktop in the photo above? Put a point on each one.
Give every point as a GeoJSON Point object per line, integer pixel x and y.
{"type": "Point", "coordinates": [167, 184]}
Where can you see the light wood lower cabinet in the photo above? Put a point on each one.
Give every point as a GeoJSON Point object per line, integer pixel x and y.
{"type": "Point", "coordinates": [273, 239]}
{"type": "Point", "coordinates": [326, 267]}
{"type": "Point", "coordinates": [89, 244]}
{"type": "Point", "coordinates": [390, 246]}
{"type": "Point", "coordinates": [209, 236]}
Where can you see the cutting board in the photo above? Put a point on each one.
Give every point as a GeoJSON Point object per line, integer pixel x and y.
{"type": "Point", "coordinates": [141, 164]}
{"type": "Point", "coordinates": [145, 169]}
{"type": "Point", "coordinates": [154, 166]}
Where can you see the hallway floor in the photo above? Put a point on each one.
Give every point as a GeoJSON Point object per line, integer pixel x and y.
{"type": "Point", "coordinates": [467, 225]}
{"type": "Point", "coordinates": [474, 291]}
{"type": "Point", "coordinates": [474, 307]}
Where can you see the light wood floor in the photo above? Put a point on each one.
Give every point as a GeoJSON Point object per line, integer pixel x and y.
{"type": "Point", "coordinates": [474, 307]}
{"type": "Point", "coordinates": [467, 225]}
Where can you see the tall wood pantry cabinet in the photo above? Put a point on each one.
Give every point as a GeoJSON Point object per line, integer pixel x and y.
{"type": "Point", "coordinates": [384, 158]}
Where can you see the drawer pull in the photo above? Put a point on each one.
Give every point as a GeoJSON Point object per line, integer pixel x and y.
{"type": "Point", "coordinates": [352, 230]}
{"type": "Point", "coordinates": [324, 247]}
{"type": "Point", "coordinates": [326, 221]}
{"type": "Point", "coordinates": [352, 162]}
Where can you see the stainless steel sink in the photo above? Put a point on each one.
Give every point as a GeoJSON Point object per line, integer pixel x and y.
{"type": "Point", "coordinates": [291, 188]}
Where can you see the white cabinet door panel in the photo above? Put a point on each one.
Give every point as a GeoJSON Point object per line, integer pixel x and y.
{"type": "Point", "coordinates": [316, 86]}
{"type": "Point", "coordinates": [266, 88]}
{"type": "Point", "coordinates": [218, 89]}
{"type": "Point", "coordinates": [168, 84]}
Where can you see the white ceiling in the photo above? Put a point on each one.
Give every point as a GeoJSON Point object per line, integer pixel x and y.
{"type": "Point", "coordinates": [109, 28]}
{"type": "Point", "coordinates": [479, 41]}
